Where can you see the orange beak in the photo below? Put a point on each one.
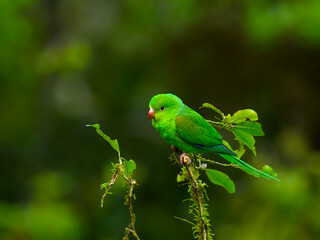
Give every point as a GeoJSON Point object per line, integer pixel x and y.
{"type": "Point", "coordinates": [151, 113]}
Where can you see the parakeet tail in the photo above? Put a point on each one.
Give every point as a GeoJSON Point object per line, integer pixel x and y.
{"type": "Point", "coordinates": [233, 159]}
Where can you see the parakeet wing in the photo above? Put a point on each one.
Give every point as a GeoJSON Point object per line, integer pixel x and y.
{"type": "Point", "coordinates": [195, 130]}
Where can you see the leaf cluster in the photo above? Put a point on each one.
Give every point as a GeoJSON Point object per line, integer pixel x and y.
{"type": "Point", "coordinates": [243, 124]}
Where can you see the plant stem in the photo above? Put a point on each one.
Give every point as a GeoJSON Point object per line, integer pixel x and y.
{"type": "Point", "coordinates": [219, 163]}
{"type": "Point", "coordinates": [196, 188]}
{"type": "Point", "coordinates": [111, 182]}
{"type": "Point", "coordinates": [129, 196]}
{"type": "Point", "coordinates": [132, 215]}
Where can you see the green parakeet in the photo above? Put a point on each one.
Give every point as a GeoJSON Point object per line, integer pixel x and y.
{"type": "Point", "coordinates": [188, 131]}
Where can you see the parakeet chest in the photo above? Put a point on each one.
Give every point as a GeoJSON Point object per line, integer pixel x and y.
{"type": "Point", "coordinates": [168, 132]}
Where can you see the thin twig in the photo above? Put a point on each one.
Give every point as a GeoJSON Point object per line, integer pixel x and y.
{"type": "Point", "coordinates": [185, 220]}
{"type": "Point", "coordinates": [219, 163]}
{"type": "Point", "coordinates": [132, 215]}
{"type": "Point", "coordinates": [111, 182]}
{"type": "Point", "coordinates": [128, 202]}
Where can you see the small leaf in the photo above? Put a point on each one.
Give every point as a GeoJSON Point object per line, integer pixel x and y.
{"type": "Point", "coordinates": [104, 185]}
{"type": "Point", "coordinates": [181, 177]}
{"type": "Point", "coordinates": [227, 144]}
{"type": "Point", "coordinates": [245, 138]}
{"type": "Point", "coordinates": [243, 115]}
{"type": "Point", "coordinates": [208, 105]}
{"type": "Point", "coordinates": [240, 151]}
{"type": "Point", "coordinates": [268, 170]}
{"type": "Point", "coordinates": [113, 143]}
{"type": "Point", "coordinates": [196, 173]}
{"type": "Point", "coordinates": [221, 179]}
{"type": "Point", "coordinates": [129, 167]}
{"type": "Point", "coordinates": [253, 128]}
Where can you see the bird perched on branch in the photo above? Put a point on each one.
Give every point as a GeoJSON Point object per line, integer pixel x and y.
{"type": "Point", "coordinates": [188, 131]}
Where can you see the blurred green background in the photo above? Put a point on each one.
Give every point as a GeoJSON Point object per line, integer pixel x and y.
{"type": "Point", "coordinates": [68, 63]}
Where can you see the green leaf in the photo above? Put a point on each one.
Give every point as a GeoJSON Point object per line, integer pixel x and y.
{"type": "Point", "coordinates": [104, 185]}
{"type": "Point", "coordinates": [253, 128]}
{"type": "Point", "coordinates": [245, 138]}
{"type": "Point", "coordinates": [113, 143]}
{"type": "Point", "coordinates": [184, 175]}
{"type": "Point", "coordinates": [129, 167]}
{"type": "Point", "coordinates": [224, 142]}
{"type": "Point", "coordinates": [221, 179]}
{"type": "Point", "coordinates": [181, 177]}
{"type": "Point", "coordinates": [208, 105]}
{"type": "Point", "coordinates": [240, 151]}
{"type": "Point", "coordinates": [243, 115]}
{"type": "Point", "coordinates": [196, 173]}
{"type": "Point", "coordinates": [268, 170]}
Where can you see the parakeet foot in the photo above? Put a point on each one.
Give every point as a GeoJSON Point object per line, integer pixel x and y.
{"type": "Point", "coordinates": [184, 159]}
{"type": "Point", "coordinates": [173, 148]}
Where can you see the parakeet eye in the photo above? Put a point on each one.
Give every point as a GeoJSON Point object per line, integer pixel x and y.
{"type": "Point", "coordinates": [162, 108]}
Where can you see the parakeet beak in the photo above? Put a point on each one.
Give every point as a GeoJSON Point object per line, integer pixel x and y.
{"type": "Point", "coordinates": [151, 113]}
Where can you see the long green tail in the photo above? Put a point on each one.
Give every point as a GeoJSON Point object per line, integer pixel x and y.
{"type": "Point", "coordinates": [246, 167]}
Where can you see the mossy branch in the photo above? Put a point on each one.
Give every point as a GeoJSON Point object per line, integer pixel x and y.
{"type": "Point", "coordinates": [107, 186]}
{"type": "Point", "coordinates": [197, 195]}
{"type": "Point", "coordinates": [128, 201]}
{"type": "Point", "coordinates": [196, 188]}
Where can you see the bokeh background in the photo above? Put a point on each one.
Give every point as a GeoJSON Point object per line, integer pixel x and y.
{"type": "Point", "coordinates": [68, 63]}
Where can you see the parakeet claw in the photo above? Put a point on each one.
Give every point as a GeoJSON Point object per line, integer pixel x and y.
{"type": "Point", "coordinates": [173, 148]}
{"type": "Point", "coordinates": [184, 159]}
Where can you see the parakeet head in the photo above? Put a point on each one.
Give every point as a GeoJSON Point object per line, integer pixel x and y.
{"type": "Point", "coordinates": [164, 106]}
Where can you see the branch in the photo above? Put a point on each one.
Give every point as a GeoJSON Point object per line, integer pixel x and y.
{"type": "Point", "coordinates": [219, 163]}
{"type": "Point", "coordinates": [129, 197]}
{"type": "Point", "coordinates": [110, 184]}
{"type": "Point", "coordinates": [197, 190]}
